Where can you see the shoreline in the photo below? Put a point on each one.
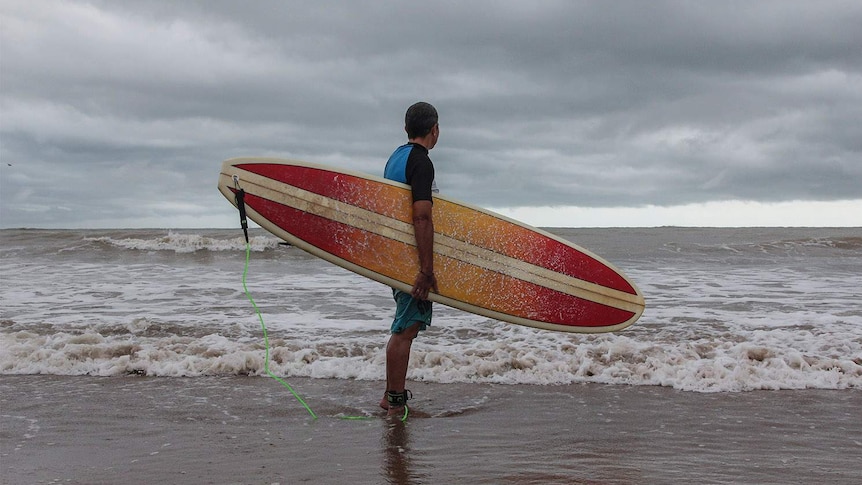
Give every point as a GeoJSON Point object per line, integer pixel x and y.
{"type": "Point", "coordinates": [80, 429]}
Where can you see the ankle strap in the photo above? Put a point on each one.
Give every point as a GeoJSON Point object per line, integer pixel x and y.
{"type": "Point", "coordinates": [398, 399]}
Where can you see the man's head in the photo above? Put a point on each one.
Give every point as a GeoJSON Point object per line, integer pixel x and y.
{"type": "Point", "coordinates": [420, 120]}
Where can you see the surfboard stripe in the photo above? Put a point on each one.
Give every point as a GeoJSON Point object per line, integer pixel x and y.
{"type": "Point", "coordinates": [397, 257]}
{"type": "Point", "coordinates": [398, 230]}
{"type": "Point", "coordinates": [484, 230]}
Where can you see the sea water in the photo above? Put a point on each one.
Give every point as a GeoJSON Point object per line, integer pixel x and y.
{"type": "Point", "coordinates": [727, 310]}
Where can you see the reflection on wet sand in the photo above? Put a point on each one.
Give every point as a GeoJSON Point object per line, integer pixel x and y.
{"type": "Point", "coordinates": [397, 460]}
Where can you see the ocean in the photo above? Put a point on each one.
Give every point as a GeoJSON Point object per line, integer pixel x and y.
{"type": "Point", "coordinates": [727, 310]}
{"type": "Point", "coordinates": [731, 312]}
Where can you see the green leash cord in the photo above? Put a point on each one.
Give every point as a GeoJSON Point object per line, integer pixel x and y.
{"type": "Point", "coordinates": [266, 346]}
{"type": "Point", "coordinates": [266, 338]}
{"type": "Point", "coordinates": [240, 205]}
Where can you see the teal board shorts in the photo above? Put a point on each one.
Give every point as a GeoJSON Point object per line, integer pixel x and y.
{"type": "Point", "coordinates": [409, 311]}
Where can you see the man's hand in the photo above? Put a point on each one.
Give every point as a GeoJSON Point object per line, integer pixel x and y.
{"type": "Point", "coordinates": [424, 284]}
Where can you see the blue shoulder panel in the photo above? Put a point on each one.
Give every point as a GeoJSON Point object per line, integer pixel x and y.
{"type": "Point", "coordinates": [396, 167]}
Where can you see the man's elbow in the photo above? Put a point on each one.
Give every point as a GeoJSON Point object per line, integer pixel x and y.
{"type": "Point", "coordinates": [421, 219]}
{"type": "Point", "coordinates": [421, 213]}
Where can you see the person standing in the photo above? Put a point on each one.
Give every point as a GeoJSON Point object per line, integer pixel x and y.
{"type": "Point", "coordinates": [411, 165]}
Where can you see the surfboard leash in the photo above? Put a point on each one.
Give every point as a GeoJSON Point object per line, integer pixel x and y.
{"type": "Point", "coordinates": [266, 347]}
{"type": "Point", "coordinates": [266, 337]}
{"type": "Point", "coordinates": [240, 204]}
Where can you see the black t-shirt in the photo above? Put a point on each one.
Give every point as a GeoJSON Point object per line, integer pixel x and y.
{"type": "Point", "coordinates": [410, 164]}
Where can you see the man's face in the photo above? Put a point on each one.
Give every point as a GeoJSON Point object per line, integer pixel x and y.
{"type": "Point", "coordinates": [435, 134]}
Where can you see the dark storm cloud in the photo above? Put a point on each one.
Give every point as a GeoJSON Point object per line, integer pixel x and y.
{"type": "Point", "coordinates": [120, 112]}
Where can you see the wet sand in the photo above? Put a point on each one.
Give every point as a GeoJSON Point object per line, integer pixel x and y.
{"type": "Point", "coordinates": [220, 430]}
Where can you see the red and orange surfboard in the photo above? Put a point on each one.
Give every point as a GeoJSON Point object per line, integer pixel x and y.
{"type": "Point", "coordinates": [485, 263]}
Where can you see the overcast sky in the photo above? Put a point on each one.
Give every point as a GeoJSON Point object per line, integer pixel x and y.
{"type": "Point", "coordinates": [119, 113]}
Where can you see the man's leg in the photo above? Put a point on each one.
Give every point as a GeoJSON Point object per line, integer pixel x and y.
{"type": "Point", "coordinates": [397, 359]}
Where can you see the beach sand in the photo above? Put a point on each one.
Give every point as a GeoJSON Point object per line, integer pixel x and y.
{"type": "Point", "coordinates": [140, 430]}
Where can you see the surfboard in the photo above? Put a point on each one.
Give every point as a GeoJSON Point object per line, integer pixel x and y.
{"type": "Point", "coordinates": [485, 263]}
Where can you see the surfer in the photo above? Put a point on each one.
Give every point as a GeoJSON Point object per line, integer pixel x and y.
{"type": "Point", "coordinates": [410, 164]}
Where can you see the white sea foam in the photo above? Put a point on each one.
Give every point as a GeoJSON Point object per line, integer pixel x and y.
{"type": "Point", "coordinates": [189, 243]}
{"type": "Point", "coordinates": [775, 359]}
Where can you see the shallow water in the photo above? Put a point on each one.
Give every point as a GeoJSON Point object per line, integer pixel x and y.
{"type": "Point", "coordinates": [95, 430]}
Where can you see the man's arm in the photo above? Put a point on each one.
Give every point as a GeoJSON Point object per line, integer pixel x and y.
{"type": "Point", "coordinates": [423, 227]}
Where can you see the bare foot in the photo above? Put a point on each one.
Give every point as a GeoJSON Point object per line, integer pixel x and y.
{"type": "Point", "coordinates": [384, 403]}
{"type": "Point", "coordinates": [395, 411]}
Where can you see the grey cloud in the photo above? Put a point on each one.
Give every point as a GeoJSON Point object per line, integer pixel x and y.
{"type": "Point", "coordinates": [542, 103]}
